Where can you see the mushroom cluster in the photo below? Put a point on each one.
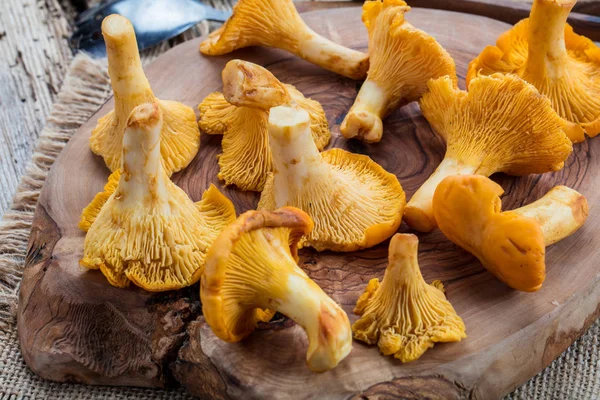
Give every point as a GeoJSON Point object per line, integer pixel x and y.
{"type": "Point", "coordinates": [241, 113]}
{"type": "Point", "coordinates": [528, 100]}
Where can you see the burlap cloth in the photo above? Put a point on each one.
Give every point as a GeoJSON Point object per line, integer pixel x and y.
{"type": "Point", "coordinates": [574, 375]}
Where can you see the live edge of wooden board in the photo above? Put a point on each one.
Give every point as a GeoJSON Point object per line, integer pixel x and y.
{"type": "Point", "coordinates": [73, 326]}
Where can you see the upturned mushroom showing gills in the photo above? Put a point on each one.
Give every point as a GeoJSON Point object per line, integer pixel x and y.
{"type": "Point", "coordinates": [149, 232]}
{"type": "Point", "coordinates": [241, 114]}
{"type": "Point", "coordinates": [501, 125]}
{"type": "Point", "coordinates": [403, 315]}
{"type": "Point", "coordinates": [510, 244]}
{"type": "Point", "coordinates": [402, 60]}
{"type": "Point", "coordinates": [276, 23]}
{"type": "Point", "coordinates": [562, 65]}
{"type": "Point", "coordinates": [180, 137]}
{"type": "Point", "coordinates": [252, 266]}
{"type": "Point", "coordinates": [353, 201]}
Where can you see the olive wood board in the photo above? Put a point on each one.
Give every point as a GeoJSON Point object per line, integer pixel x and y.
{"type": "Point", "coordinates": [73, 326]}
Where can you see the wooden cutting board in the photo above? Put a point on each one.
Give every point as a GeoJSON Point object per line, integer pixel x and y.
{"type": "Point", "coordinates": [74, 326]}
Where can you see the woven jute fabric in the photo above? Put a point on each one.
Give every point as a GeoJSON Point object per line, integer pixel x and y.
{"type": "Point", "coordinates": [574, 375]}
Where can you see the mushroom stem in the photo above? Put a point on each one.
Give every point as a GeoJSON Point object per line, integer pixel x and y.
{"type": "Point", "coordinates": [560, 213]}
{"type": "Point", "coordinates": [547, 50]}
{"type": "Point", "coordinates": [143, 178]}
{"type": "Point", "coordinates": [364, 118]}
{"type": "Point", "coordinates": [320, 317]}
{"type": "Point", "coordinates": [323, 52]}
{"type": "Point", "coordinates": [295, 155]}
{"type": "Point", "coordinates": [418, 213]}
{"type": "Point", "coordinates": [127, 77]}
{"type": "Point", "coordinates": [403, 265]}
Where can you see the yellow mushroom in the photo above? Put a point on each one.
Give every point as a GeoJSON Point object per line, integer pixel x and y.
{"type": "Point", "coordinates": [353, 201]}
{"type": "Point", "coordinates": [241, 113]}
{"type": "Point", "coordinates": [501, 125]}
{"type": "Point", "coordinates": [180, 137]}
{"type": "Point", "coordinates": [252, 266]}
{"type": "Point", "coordinates": [544, 50]}
{"type": "Point", "coordinates": [402, 58]}
{"type": "Point", "coordinates": [403, 315]}
{"type": "Point", "coordinates": [276, 23]}
{"type": "Point", "coordinates": [510, 244]}
{"type": "Point", "coordinates": [149, 232]}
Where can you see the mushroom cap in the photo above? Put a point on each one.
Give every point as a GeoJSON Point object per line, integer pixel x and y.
{"type": "Point", "coordinates": [468, 211]}
{"type": "Point", "coordinates": [574, 90]}
{"type": "Point", "coordinates": [358, 207]}
{"type": "Point", "coordinates": [180, 137]}
{"type": "Point", "coordinates": [91, 211]}
{"type": "Point", "coordinates": [272, 23]}
{"type": "Point", "coordinates": [403, 315]}
{"type": "Point", "coordinates": [502, 124]}
{"type": "Point", "coordinates": [402, 58]}
{"type": "Point", "coordinates": [249, 85]}
{"type": "Point", "coordinates": [246, 159]}
{"type": "Point", "coordinates": [149, 232]}
{"type": "Point", "coordinates": [254, 237]}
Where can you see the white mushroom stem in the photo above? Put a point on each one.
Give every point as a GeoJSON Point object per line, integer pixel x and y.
{"type": "Point", "coordinates": [142, 178]}
{"type": "Point", "coordinates": [560, 213]}
{"type": "Point", "coordinates": [547, 48]}
{"type": "Point", "coordinates": [326, 324]}
{"type": "Point", "coordinates": [364, 118]}
{"type": "Point", "coordinates": [332, 56]}
{"type": "Point", "coordinates": [127, 77]}
{"type": "Point", "coordinates": [295, 155]}
{"type": "Point", "coordinates": [418, 213]}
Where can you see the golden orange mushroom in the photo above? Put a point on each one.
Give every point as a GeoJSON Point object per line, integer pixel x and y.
{"type": "Point", "coordinates": [180, 137]}
{"type": "Point", "coordinates": [252, 266]}
{"type": "Point", "coordinates": [149, 232]}
{"type": "Point", "coordinates": [241, 113]}
{"type": "Point", "coordinates": [354, 202]}
{"type": "Point", "coordinates": [276, 23]}
{"type": "Point", "coordinates": [502, 124]}
{"type": "Point", "coordinates": [402, 60]}
{"type": "Point", "coordinates": [562, 65]}
{"type": "Point", "coordinates": [510, 244]}
{"type": "Point", "coordinates": [403, 315]}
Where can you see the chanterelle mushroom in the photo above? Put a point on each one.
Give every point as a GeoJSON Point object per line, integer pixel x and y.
{"type": "Point", "coordinates": [354, 202]}
{"type": "Point", "coordinates": [404, 315]}
{"type": "Point", "coordinates": [544, 50]}
{"type": "Point", "coordinates": [510, 244]}
{"type": "Point", "coordinates": [149, 232]}
{"type": "Point", "coordinates": [276, 23]}
{"type": "Point", "coordinates": [241, 113]}
{"type": "Point", "coordinates": [252, 266]}
{"type": "Point", "coordinates": [501, 125]}
{"type": "Point", "coordinates": [402, 58]}
{"type": "Point", "coordinates": [180, 137]}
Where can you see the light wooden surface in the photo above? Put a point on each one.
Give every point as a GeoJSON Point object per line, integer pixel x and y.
{"type": "Point", "coordinates": [65, 311]}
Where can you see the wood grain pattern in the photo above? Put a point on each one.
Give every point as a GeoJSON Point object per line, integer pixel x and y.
{"type": "Point", "coordinates": [73, 326]}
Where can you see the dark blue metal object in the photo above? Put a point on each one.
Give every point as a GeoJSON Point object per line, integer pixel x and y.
{"type": "Point", "coordinates": [154, 21]}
